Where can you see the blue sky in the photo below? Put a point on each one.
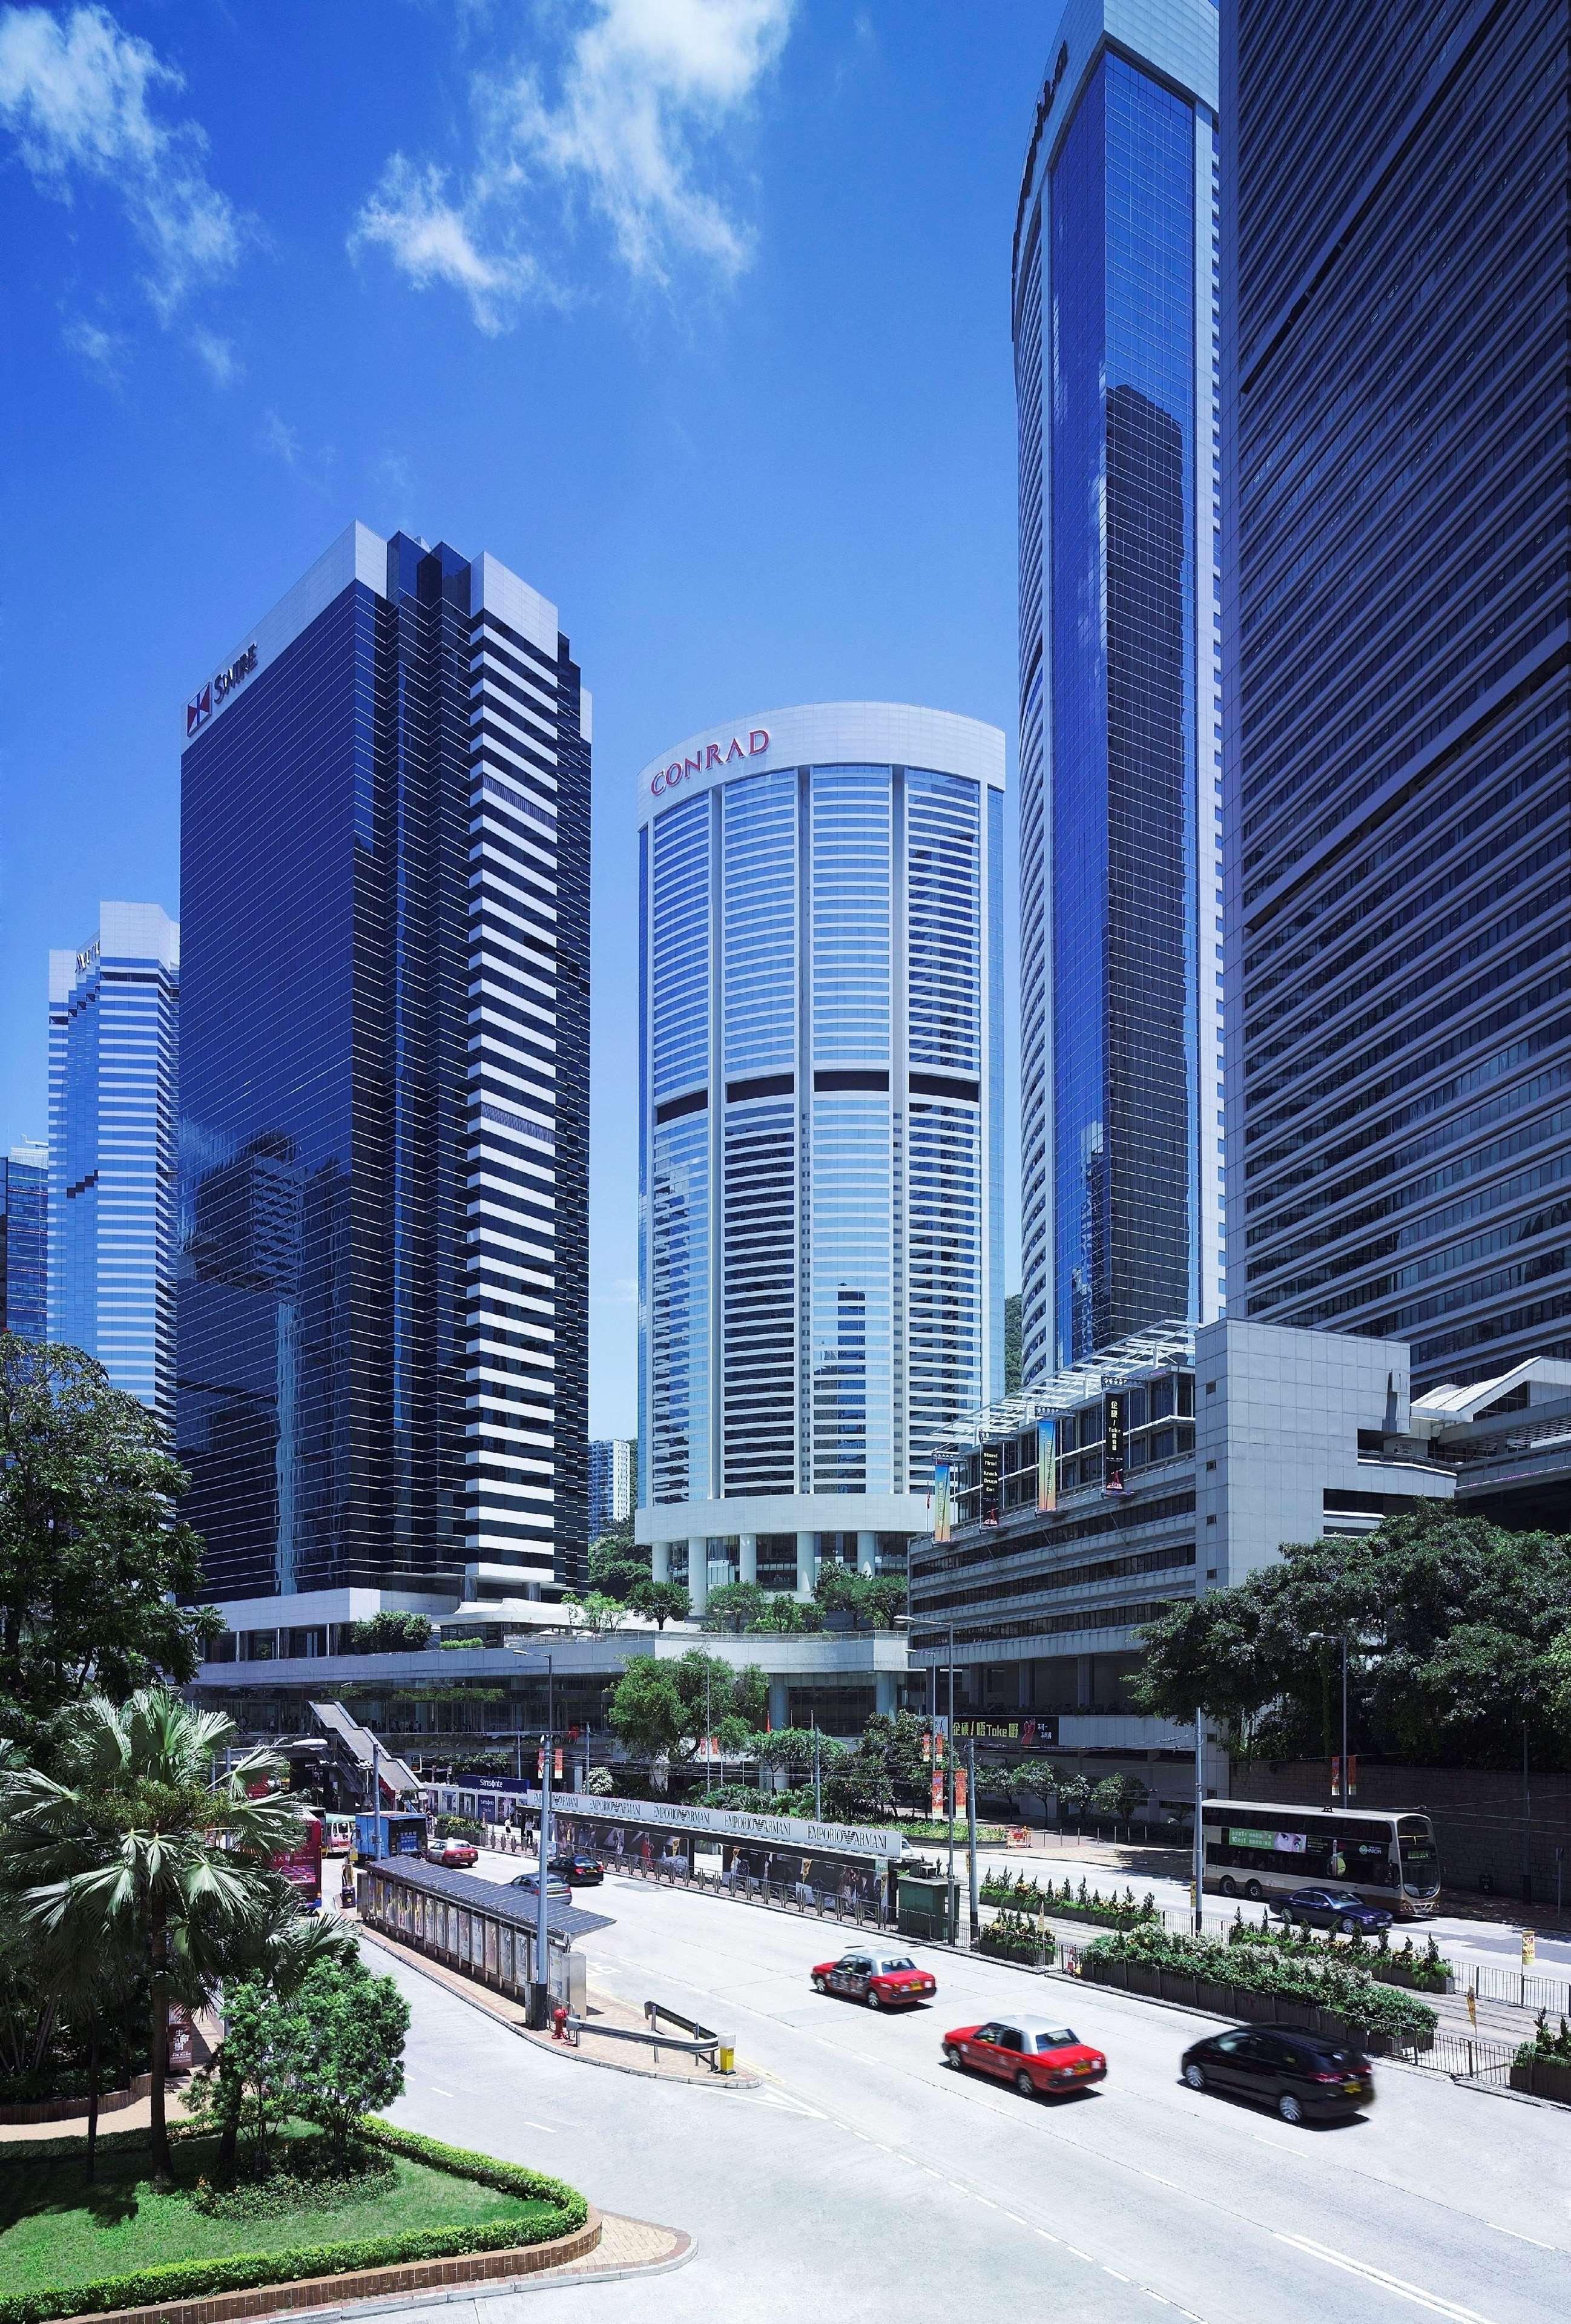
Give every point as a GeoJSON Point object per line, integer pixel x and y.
{"type": "Point", "coordinates": [695, 312]}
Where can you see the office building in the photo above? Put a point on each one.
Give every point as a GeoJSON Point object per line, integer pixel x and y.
{"type": "Point", "coordinates": [114, 1070]}
{"type": "Point", "coordinates": [24, 1241]}
{"type": "Point", "coordinates": [613, 1481]}
{"type": "Point", "coordinates": [382, 1298]}
{"type": "Point", "coordinates": [820, 1131]}
{"type": "Point", "coordinates": [1398, 779]}
{"type": "Point", "coordinates": [1115, 314]}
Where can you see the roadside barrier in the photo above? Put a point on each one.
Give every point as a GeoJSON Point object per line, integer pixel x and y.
{"type": "Point", "coordinates": [1462, 2057]}
{"type": "Point", "coordinates": [1517, 1990]}
{"type": "Point", "coordinates": [778, 1896]}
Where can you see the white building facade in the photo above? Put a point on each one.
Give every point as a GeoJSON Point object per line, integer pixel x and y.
{"type": "Point", "coordinates": [820, 1124]}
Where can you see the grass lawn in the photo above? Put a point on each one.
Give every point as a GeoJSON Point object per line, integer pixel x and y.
{"type": "Point", "coordinates": [55, 2229]}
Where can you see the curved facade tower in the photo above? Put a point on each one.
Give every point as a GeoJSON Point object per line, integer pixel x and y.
{"type": "Point", "coordinates": [1115, 305]}
{"type": "Point", "coordinates": [820, 1124]}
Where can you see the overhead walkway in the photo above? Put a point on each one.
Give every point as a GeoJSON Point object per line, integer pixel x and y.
{"type": "Point", "coordinates": [355, 1749]}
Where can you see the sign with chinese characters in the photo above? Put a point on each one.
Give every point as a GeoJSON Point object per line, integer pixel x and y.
{"type": "Point", "coordinates": [943, 1506]}
{"type": "Point", "coordinates": [1027, 1730]}
{"type": "Point", "coordinates": [1047, 1465]}
{"type": "Point", "coordinates": [992, 1483]}
{"type": "Point", "coordinates": [1113, 1441]}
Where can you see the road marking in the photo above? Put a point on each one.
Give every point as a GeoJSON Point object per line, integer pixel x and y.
{"type": "Point", "coordinates": [438, 2094]}
{"type": "Point", "coordinates": [549, 2127]}
{"type": "Point", "coordinates": [1519, 2237]}
{"type": "Point", "coordinates": [1112, 2272]}
{"type": "Point", "coordinates": [1414, 2292]}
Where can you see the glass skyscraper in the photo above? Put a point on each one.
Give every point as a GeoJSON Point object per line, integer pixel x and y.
{"type": "Point", "coordinates": [24, 1241]}
{"type": "Point", "coordinates": [114, 1071]}
{"type": "Point", "coordinates": [383, 1247]}
{"type": "Point", "coordinates": [820, 1132]}
{"type": "Point", "coordinates": [1114, 307]}
{"type": "Point", "coordinates": [1399, 839]}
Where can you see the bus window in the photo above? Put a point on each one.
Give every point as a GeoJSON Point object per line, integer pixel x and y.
{"type": "Point", "coordinates": [1420, 1857]}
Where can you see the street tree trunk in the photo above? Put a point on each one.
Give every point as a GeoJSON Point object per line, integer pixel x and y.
{"type": "Point", "coordinates": [158, 2030]}
{"type": "Point", "coordinates": [93, 2101]}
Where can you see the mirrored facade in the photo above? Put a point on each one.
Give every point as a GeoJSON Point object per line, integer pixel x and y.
{"type": "Point", "coordinates": [114, 1073]}
{"type": "Point", "coordinates": [1400, 1079]}
{"type": "Point", "coordinates": [25, 1242]}
{"type": "Point", "coordinates": [382, 1294]}
{"type": "Point", "coordinates": [821, 1129]}
{"type": "Point", "coordinates": [1114, 288]}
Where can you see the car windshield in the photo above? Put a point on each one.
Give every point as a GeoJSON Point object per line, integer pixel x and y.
{"type": "Point", "coordinates": [892, 1968]}
{"type": "Point", "coordinates": [1341, 1896]}
{"type": "Point", "coordinates": [1061, 2037]}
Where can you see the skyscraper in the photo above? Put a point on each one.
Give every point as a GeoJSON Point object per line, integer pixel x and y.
{"type": "Point", "coordinates": [24, 1241]}
{"type": "Point", "coordinates": [114, 1067]}
{"type": "Point", "coordinates": [384, 1300]}
{"type": "Point", "coordinates": [1114, 307]}
{"type": "Point", "coordinates": [1399, 1031]}
{"type": "Point", "coordinates": [613, 1481]}
{"type": "Point", "coordinates": [820, 1131]}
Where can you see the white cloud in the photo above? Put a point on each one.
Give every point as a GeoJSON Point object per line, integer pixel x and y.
{"type": "Point", "coordinates": [104, 351]}
{"type": "Point", "coordinates": [219, 356]}
{"type": "Point", "coordinates": [279, 438]}
{"type": "Point", "coordinates": [77, 93]}
{"type": "Point", "coordinates": [637, 119]}
{"type": "Point", "coordinates": [431, 241]}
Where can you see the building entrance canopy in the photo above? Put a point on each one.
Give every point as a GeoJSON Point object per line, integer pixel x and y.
{"type": "Point", "coordinates": [796, 1832]}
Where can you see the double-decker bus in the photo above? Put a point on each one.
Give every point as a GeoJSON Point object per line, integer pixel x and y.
{"type": "Point", "coordinates": [1260, 1848]}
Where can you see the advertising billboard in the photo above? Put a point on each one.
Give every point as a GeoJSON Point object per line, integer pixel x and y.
{"type": "Point", "coordinates": [1047, 1465]}
{"type": "Point", "coordinates": [943, 1507]}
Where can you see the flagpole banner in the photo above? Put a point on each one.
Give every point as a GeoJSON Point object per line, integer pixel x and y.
{"type": "Point", "coordinates": [943, 1520]}
{"type": "Point", "coordinates": [1047, 1465]}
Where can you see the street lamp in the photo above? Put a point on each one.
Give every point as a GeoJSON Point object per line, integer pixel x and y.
{"type": "Point", "coordinates": [949, 1780]}
{"type": "Point", "coordinates": [1327, 1638]}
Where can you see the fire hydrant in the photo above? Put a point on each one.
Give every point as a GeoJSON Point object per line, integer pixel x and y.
{"type": "Point", "coordinates": [558, 2024]}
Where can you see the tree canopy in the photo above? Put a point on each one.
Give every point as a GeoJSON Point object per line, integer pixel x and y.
{"type": "Point", "coordinates": [660, 1708]}
{"type": "Point", "coordinates": [1459, 1637]}
{"type": "Point", "coordinates": [92, 1563]}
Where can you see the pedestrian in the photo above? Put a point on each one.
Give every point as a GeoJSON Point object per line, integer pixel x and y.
{"type": "Point", "coordinates": [346, 1889]}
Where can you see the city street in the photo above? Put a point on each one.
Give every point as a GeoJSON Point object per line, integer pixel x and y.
{"type": "Point", "coordinates": [864, 2174]}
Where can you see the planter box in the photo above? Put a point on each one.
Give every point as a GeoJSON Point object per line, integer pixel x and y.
{"type": "Point", "coordinates": [76, 2109]}
{"type": "Point", "coordinates": [1218, 1998]}
{"type": "Point", "coordinates": [1140, 1977]}
{"type": "Point", "coordinates": [1544, 2078]}
{"type": "Point", "coordinates": [1408, 1981]}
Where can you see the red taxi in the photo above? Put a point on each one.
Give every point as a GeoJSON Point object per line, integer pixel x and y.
{"type": "Point", "coordinates": [457, 1855]}
{"type": "Point", "coordinates": [1040, 2059]}
{"type": "Point", "coordinates": [883, 1980]}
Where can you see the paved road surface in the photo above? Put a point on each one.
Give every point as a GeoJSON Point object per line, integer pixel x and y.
{"type": "Point", "coordinates": [865, 2179]}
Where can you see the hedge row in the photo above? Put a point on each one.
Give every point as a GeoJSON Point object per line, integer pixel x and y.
{"type": "Point", "coordinates": [241, 2271]}
{"type": "Point", "coordinates": [1068, 1904]}
{"type": "Point", "coordinates": [1327, 1985]}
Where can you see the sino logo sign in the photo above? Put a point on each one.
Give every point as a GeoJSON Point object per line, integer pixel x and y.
{"type": "Point", "coordinates": [201, 706]}
{"type": "Point", "coordinates": [681, 769]}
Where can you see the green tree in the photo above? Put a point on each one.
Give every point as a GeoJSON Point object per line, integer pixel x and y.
{"type": "Point", "coordinates": [1119, 1796]}
{"type": "Point", "coordinates": [1073, 1792]}
{"type": "Point", "coordinates": [344, 2035]}
{"type": "Point", "coordinates": [791, 1748]}
{"type": "Point", "coordinates": [834, 1589]}
{"type": "Point", "coordinates": [1013, 1342]}
{"type": "Point", "coordinates": [270, 1951]}
{"type": "Point", "coordinates": [884, 1596]}
{"type": "Point", "coordinates": [736, 1606]}
{"type": "Point", "coordinates": [92, 1568]}
{"type": "Point", "coordinates": [1031, 1778]}
{"type": "Point", "coordinates": [646, 1709]}
{"type": "Point", "coordinates": [135, 1844]}
{"type": "Point", "coordinates": [661, 1602]}
{"type": "Point", "coordinates": [598, 1613]}
{"type": "Point", "coordinates": [617, 1564]}
{"type": "Point", "coordinates": [661, 1710]}
{"type": "Point", "coordinates": [389, 1633]}
{"type": "Point", "coordinates": [1453, 1624]}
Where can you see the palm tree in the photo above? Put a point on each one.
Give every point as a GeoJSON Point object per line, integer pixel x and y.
{"type": "Point", "coordinates": [138, 1844]}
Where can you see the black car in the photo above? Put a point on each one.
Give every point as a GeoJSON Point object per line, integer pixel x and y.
{"type": "Point", "coordinates": [577, 1871]}
{"type": "Point", "coordinates": [1332, 1908]}
{"type": "Point", "coordinates": [1306, 2077]}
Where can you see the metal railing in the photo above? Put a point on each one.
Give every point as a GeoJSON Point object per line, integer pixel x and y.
{"type": "Point", "coordinates": [696, 2041]}
{"type": "Point", "coordinates": [1517, 1988]}
{"type": "Point", "coordinates": [1461, 2056]}
{"type": "Point", "coordinates": [778, 1895]}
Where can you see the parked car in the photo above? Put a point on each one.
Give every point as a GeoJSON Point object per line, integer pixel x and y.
{"type": "Point", "coordinates": [455, 1854]}
{"type": "Point", "coordinates": [577, 1871]}
{"type": "Point", "coordinates": [883, 1980]}
{"type": "Point", "coordinates": [1306, 2077]}
{"type": "Point", "coordinates": [1332, 1908]}
{"type": "Point", "coordinates": [557, 1890]}
{"type": "Point", "coordinates": [1041, 2059]}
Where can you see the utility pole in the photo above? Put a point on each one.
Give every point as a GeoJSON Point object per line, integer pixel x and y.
{"type": "Point", "coordinates": [540, 2014]}
{"type": "Point", "coordinates": [1527, 1825]}
{"type": "Point", "coordinates": [971, 1832]}
{"type": "Point", "coordinates": [1343, 1768]}
{"type": "Point", "coordinates": [1199, 1866]}
{"type": "Point", "coordinates": [949, 1791]}
{"type": "Point", "coordinates": [818, 1781]}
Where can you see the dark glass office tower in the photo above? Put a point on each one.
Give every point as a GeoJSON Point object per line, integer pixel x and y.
{"type": "Point", "coordinates": [383, 1304]}
{"type": "Point", "coordinates": [1398, 840]}
{"type": "Point", "coordinates": [25, 1242]}
{"type": "Point", "coordinates": [1114, 296]}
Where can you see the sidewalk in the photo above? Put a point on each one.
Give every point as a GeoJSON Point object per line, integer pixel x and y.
{"type": "Point", "coordinates": [602, 2009]}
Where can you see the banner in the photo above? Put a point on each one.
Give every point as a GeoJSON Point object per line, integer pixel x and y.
{"type": "Point", "coordinates": [943, 1521]}
{"type": "Point", "coordinates": [1113, 1441]}
{"type": "Point", "coordinates": [992, 1483]}
{"type": "Point", "coordinates": [1031, 1731]}
{"type": "Point", "coordinates": [1047, 1465]}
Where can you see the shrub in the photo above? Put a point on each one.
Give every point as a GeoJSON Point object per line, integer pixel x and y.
{"type": "Point", "coordinates": [1069, 1903]}
{"type": "Point", "coordinates": [1014, 1937]}
{"type": "Point", "coordinates": [345, 2049]}
{"type": "Point", "coordinates": [459, 1827]}
{"type": "Point", "coordinates": [1547, 2048]}
{"type": "Point", "coordinates": [1326, 1983]}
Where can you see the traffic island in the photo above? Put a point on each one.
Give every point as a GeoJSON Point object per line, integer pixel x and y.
{"type": "Point", "coordinates": [413, 2213]}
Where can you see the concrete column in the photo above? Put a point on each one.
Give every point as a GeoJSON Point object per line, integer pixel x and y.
{"type": "Point", "coordinates": [698, 1570]}
{"type": "Point", "coordinates": [866, 1553]}
{"type": "Point", "coordinates": [659, 1553]}
{"type": "Point", "coordinates": [747, 1557]}
{"type": "Point", "coordinates": [779, 1706]}
{"type": "Point", "coordinates": [807, 1559]}
{"type": "Point", "coordinates": [885, 1692]}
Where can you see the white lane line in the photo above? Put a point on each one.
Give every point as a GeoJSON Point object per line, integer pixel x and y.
{"type": "Point", "coordinates": [1517, 2232]}
{"type": "Point", "coordinates": [1113, 2272]}
{"type": "Point", "coordinates": [438, 2094]}
{"type": "Point", "coordinates": [1397, 2284]}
